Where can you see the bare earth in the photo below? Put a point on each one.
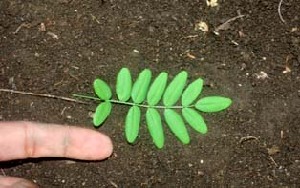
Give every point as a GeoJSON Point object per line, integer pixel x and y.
{"type": "Point", "coordinates": [59, 47]}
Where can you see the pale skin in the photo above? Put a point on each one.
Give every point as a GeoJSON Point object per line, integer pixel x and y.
{"type": "Point", "coordinates": [20, 140]}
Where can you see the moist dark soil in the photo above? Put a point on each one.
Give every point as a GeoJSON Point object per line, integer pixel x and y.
{"type": "Point", "coordinates": [59, 47]}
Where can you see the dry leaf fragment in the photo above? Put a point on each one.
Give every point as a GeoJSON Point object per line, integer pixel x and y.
{"type": "Point", "coordinates": [190, 55]}
{"type": "Point", "coordinates": [202, 26]}
{"type": "Point", "coordinates": [212, 3]}
{"type": "Point", "coordinates": [287, 70]}
{"type": "Point", "coordinates": [42, 27]}
{"type": "Point", "coordinates": [273, 150]}
{"type": "Point", "coordinates": [294, 29]}
{"type": "Point", "coordinates": [53, 35]}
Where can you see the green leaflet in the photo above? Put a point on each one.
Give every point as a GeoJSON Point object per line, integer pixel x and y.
{"type": "Point", "coordinates": [102, 111]}
{"type": "Point", "coordinates": [194, 119]}
{"type": "Point", "coordinates": [192, 91]}
{"type": "Point", "coordinates": [213, 104]}
{"type": "Point", "coordinates": [132, 124]}
{"type": "Point", "coordinates": [157, 89]}
{"type": "Point", "coordinates": [155, 127]}
{"type": "Point", "coordinates": [124, 84]}
{"type": "Point", "coordinates": [174, 90]}
{"type": "Point", "coordinates": [141, 85]}
{"type": "Point", "coordinates": [176, 125]}
{"type": "Point", "coordinates": [102, 90]}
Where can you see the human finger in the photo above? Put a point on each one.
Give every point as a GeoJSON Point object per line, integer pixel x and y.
{"type": "Point", "coordinates": [27, 139]}
{"type": "Point", "coordinates": [9, 182]}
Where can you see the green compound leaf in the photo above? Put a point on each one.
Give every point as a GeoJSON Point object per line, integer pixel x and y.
{"type": "Point", "coordinates": [138, 93]}
{"type": "Point", "coordinates": [157, 89]}
{"type": "Point", "coordinates": [141, 85]}
{"type": "Point", "coordinates": [174, 89]}
{"type": "Point", "coordinates": [194, 119]}
{"type": "Point", "coordinates": [155, 127]}
{"type": "Point", "coordinates": [176, 125]}
{"type": "Point", "coordinates": [132, 124]}
{"type": "Point", "coordinates": [102, 90]}
{"type": "Point", "coordinates": [124, 84]}
{"type": "Point", "coordinates": [102, 112]}
{"type": "Point", "coordinates": [213, 104]}
{"type": "Point", "coordinates": [192, 92]}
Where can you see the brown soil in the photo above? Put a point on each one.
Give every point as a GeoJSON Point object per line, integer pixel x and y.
{"type": "Point", "coordinates": [255, 143]}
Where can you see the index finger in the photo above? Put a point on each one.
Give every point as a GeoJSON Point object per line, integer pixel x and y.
{"type": "Point", "coordinates": [27, 139]}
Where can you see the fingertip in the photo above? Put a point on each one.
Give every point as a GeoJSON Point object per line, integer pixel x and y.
{"type": "Point", "coordinates": [90, 145]}
{"type": "Point", "coordinates": [107, 148]}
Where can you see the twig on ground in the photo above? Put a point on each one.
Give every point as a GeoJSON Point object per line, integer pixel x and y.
{"type": "Point", "coordinates": [246, 138]}
{"type": "Point", "coordinates": [225, 25]}
{"type": "Point", "coordinates": [279, 11]}
{"type": "Point", "coordinates": [113, 184]}
{"type": "Point", "coordinates": [191, 36]}
{"type": "Point", "coordinates": [27, 25]}
{"type": "Point", "coordinates": [273, 161]}
{"type": "Point", "coordinates": [43, 95]}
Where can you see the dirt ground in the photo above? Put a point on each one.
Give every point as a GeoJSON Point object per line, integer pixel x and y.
{"type": "Point", "coordinates": [59, 47]}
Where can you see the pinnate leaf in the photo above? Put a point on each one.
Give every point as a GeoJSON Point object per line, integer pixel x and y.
{"type": "Point", "coordinates": [192, 91]}
{"type": "Point", "coordinates": [155, 127]}
{"type": "Point", "coordinates": [132, 124]}
{"type": "Point", "coordinates": [102, 90]}
{"type": "Point", "coordinates": [102, 112]}
{"type": "Point", "coordinates": [174, 89]}
{"type": "Point", "coordinates": [157, 89]}
{"type": "Point", "coordinates": [213, 104]}
{"type": "Point", "coordinates": [176, 124]}
{"type": "Point", "coordinates": [194, 119]}
{"type": "Point", "coordinates": [124, 84]}
{"type": "Point", "coordinates": [141, 85]}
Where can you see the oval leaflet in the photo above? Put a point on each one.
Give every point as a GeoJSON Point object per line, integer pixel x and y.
{"type": "Point", "coordinates": [194, 119]}
{"type": "Point", "coordinates": [157, 89]}
{"type": "Point", "coordinates": [102, 90]}
{"type": "Point", "coordinates": [192, 91]}
{"type": "Point", "coordinates": [102, 112]}
{"type": "Point", "coordinates": [174, 89]}
{"type": "Point", "coordinates": [124, 85]}
{"type": "Point", "coordinates": [141, 85]}
{"type": "Point", "coordinates": [132, 124]}
{"type": "Point", "coordinates": [176, 125]}
{"type": "Point", "coordinates": [213, 104]}
{"type": "Point", "coordinates": [155, 127]}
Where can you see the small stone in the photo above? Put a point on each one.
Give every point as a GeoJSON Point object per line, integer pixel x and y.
{"type": "Point", "coordinates": [262, 75]}
{"type": "Point", "coordinates": [200, 173]}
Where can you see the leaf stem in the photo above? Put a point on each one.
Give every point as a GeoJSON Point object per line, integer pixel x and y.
{"type": "Point", "coordinates": [131, 103]}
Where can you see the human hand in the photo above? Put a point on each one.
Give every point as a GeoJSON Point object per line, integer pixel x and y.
{"type": "Point", "coordinates": [19, 140]}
